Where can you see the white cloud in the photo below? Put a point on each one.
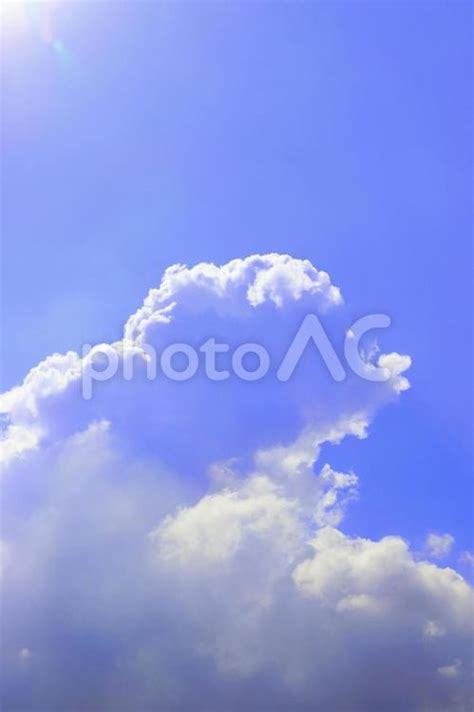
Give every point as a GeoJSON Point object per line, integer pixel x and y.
{"type": "Point", "coordinates": [236, 286]}
{"type": "Point", "coordinates": [344, 567]}
{"type": "Point", "coordinates": [171, 547]}
{"type": "Point", "coordinates": [24, 654]}
{"type": "Point", "coordinates": [261, 298]}
{"type": "Point", "coordinates": [450, 671]}
{"type": "Point", "coordinates": [17, 439]}
{"type": "Point", "coordinates": [439, 545]}
{"type": "Point", "coordinates": [432, 629]}
{"type": "Point", "coordinates": [218, 526]}
{"type": "Point", "coordinates": [396, 364]}
{"type": "Point", "coordinates": [467, 557]}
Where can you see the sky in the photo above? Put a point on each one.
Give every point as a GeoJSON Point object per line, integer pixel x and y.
{"type": "Point", "coordinates": [139, 135]}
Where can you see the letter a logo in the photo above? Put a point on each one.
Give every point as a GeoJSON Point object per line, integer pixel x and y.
{"type": "Point", "coordinates": [311, 329]}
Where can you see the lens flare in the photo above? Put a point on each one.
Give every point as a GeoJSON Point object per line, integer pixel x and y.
{"type": "Point", "coordinates": [36, 22]}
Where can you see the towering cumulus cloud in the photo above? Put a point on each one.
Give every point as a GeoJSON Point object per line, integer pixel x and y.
{"type": "Point", "coordinates": [178, 543]}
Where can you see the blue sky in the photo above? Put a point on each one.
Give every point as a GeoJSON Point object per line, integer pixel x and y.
{"type": "Point", "coordinates": [139, 135]}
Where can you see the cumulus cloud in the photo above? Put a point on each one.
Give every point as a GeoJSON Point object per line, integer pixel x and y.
{"type": "Point", "coordinates": [176, 546]}
{"type": "Point", "coordinates": [234, 288]}
{"type": "Point", "coordinates": [260, 299]}
{"type": "Point", "coordinates": [360, 574]}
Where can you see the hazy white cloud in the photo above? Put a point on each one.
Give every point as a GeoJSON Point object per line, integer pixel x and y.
{"type": "Point", "coordinates": [24, 654]}
{"type": "Point", "coordinates": [467, 557]}
{"type": "Point", "coordinates": [174, 548]}
{"type": "Point", "coordinates": [17, 439]}
{"type": "Point", "coordinates": [450, 671]}
{"type": "Point", "coordinates": [432, 629]}
{"type": "Point", "coordinates": [439, 545]}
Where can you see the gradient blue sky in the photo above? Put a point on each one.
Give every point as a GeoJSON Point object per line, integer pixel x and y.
{"type": "Point", "coordinates": [151, 133]}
